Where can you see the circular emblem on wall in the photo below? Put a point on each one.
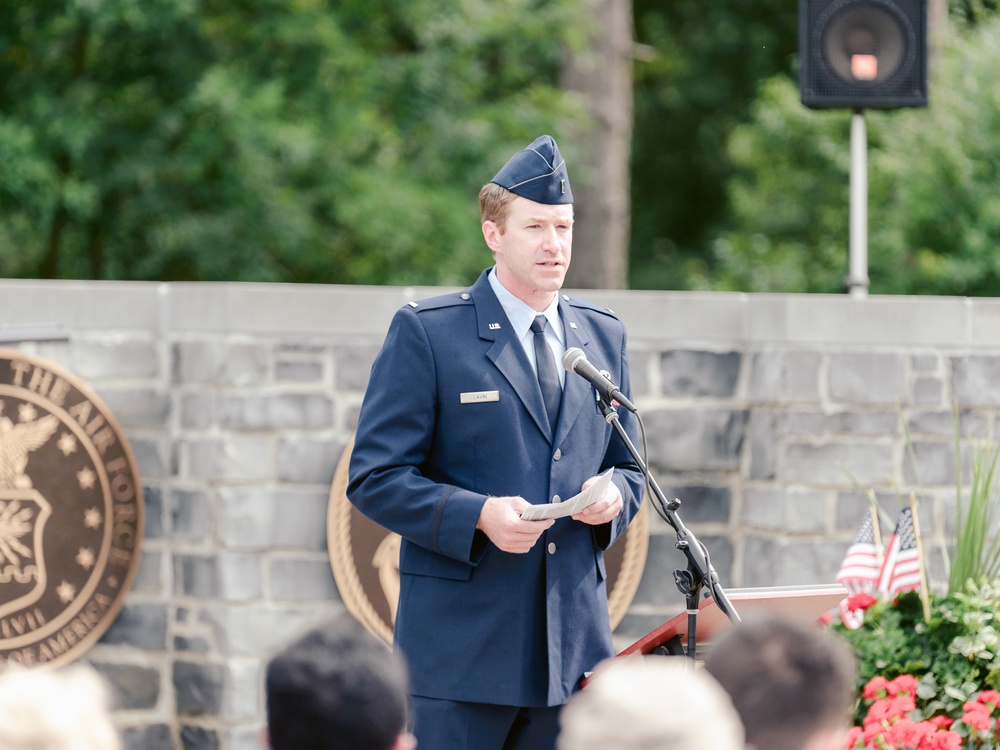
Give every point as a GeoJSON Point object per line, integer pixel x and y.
{"type": "Point", "coordinates": [71, 513]}
{"type": "Point", "coordinates": [365, 560]}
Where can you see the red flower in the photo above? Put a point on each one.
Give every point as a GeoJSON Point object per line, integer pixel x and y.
{"type": "Point", "coordinates": [853, 735]}
{"type": "Point", "coordinates": [875, 684]}
{"type": "Point", "coordinates": [941, 741]}
{"type": "Point", "coordinates": [861, 600]}
{"type": "Point", "coordinates": [977, 716]}
{"type": "Point", "coordinates": [989, 698]}
{"type": "Point", "coordinates": [906, 733]}
{"type": "Point", "coordinates": [941, 721]}
{"type": "Point", "coordinates": [905, 683]}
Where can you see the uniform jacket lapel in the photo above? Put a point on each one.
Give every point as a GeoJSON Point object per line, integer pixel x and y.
{"type": "Point", "coordinates": [506, 352]}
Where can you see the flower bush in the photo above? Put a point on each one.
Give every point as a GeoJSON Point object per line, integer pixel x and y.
{"type": "Point", "coordinates": [893, 721]}
{"type": "Point", "coordinates": [928, 685]}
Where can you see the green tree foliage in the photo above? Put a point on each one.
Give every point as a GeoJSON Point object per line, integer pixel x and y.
{"type": "Point", "coordinates": [696, 80]}
{"type": "Point", "coordinates": [934, 205]}
{"type": "Point", "coordinates": [278, 140]}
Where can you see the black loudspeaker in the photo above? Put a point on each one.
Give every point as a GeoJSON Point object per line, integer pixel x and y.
{"type": "Point", "coordinates": [863, 53]}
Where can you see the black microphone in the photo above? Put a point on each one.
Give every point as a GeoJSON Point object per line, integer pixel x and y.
{"type": "Point", "coordinates": [574, 360]}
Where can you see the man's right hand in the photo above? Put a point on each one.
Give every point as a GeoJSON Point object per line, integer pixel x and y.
{"type": "Point", "coordinates": [500, 519]}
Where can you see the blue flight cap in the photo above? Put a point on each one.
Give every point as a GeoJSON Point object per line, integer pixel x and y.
{"type": "Point", "coordinates": [537, 173]}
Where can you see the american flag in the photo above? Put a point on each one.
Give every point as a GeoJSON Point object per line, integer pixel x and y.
{"type": "Point", "coordinates": [901, 566]}
{"type": "Point", "coordinates": [859, 572]}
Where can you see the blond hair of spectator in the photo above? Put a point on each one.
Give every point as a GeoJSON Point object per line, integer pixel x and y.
{"type": "Point", "coordinates": [650, 703]}
{"type": "Point", "coordinates": [55, 709]}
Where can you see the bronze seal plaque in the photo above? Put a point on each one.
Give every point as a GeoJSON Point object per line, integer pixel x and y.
{"type": "Point", "coordinates": [70, 513]}
{"type": "Point", "coordinates": [365, 560]}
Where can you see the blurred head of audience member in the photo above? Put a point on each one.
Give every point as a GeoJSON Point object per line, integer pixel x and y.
{"type": "Point", "coordinates": [64, 708]}
{"type": "Point", "coordinates": [793, 683]}
{"type": "Point", "coordinates": [650, 703]}
{"type": "Point", "coordinates": [337, 687]}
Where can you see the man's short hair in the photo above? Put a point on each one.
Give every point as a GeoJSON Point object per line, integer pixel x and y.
{"type": "Point", "coordinates": [55, 709]}
{"type": "Point", "coordinates": [650, 703]}
{"type": "Point", "coordinates": [788, 680]}
{"type": "Point", "coordinates": [337, 686]}
{"type": "Point", "coordinates": [494, 205]}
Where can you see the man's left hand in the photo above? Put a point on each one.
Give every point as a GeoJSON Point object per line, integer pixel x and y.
{"type": "Point", "coordinates": [605, 509]}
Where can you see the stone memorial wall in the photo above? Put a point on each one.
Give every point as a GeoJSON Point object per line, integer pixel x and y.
{"type": "Point", "coordinates": [766, 415]}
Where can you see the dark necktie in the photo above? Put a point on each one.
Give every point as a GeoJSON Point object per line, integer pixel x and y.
{"type": "Point", "coordinates": [548, 378]}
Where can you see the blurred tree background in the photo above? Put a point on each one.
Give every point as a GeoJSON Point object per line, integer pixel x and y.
{"type": "Point", "coordinates": [338, 141]}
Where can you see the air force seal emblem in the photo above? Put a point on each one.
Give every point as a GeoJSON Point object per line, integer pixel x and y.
{"type": "Point", "coordinates": [70, 513]}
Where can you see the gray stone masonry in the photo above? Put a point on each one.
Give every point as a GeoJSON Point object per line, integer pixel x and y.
{"type": "Point", "coordinates": [761, 412]}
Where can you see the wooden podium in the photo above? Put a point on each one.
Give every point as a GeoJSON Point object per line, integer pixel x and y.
{"type": "Point", "coordinates": [803, 603]}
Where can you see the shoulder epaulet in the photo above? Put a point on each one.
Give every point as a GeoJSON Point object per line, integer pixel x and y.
{"type": "Point", "coordinates": [444, 300]}
{"type": "Point", "coordinates": [584, 305]}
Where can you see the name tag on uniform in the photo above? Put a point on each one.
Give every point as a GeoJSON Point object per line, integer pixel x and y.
{"type": "Point", "coordinates": [479, 397]}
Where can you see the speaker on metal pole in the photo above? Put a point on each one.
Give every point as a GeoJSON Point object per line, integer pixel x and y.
{"type": "Point", "coordinates": [863, 54]}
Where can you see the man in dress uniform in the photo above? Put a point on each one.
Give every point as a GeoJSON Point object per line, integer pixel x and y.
{"type": "Point", "coordinates": [469, 420]}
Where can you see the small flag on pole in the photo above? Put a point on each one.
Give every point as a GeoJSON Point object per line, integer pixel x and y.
{"type": "Point", "coordinates": [901, 566]}
{"type": "Point", "coordinates": [859, 572]}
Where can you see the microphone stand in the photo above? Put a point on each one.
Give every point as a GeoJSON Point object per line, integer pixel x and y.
{"type": "Point", "coordinates": [699, 572]}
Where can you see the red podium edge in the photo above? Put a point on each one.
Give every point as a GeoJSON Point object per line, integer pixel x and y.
{"type": "Point", "coordinates": [803, 603]}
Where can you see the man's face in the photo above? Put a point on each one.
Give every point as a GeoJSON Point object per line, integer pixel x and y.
{"type": "Point", "coordinates": [533, 253]}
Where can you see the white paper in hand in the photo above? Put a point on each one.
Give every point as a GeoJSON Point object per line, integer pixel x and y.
{"type": "Point", "coordinates": [574, 505]}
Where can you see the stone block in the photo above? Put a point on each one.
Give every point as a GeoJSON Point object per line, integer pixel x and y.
{"type": "Point", "coordinates": [762, 444]}
{"type": "Point", "coordinates": [924, 361]}
{"type": "Point", "coordinates": [286, 411]}
{"type": "Point", "coordinates": [140, 625]}
{"type": "Point", "coordinates": [246, 738]}
{"type": "Point", "coordinates": [244, 458]}
{"type": "Point", "coordinates": [784, 377]}
{"type": "Point", "coordinates": [303, 460]}
{"type": "Point", "coordinates": [113, 356]}
{"type": "Point", "coordinates": [255, 629]}
{"type": "Point", "coordinates": [704, 439]}
{"type": "Point", "coordinates": [137, 407]}
{"type": "Point", "coordinates": [851, 508]}
{"type": "Point", "coordinates": [352, 366]}
{"type": "Point", "coordinates": [639, 363]}
{"type": "Point", "coordinates": [700, 374]}
{"type": "Point", "coordinates": [245, 695]}
{"type": "Point", "coordinates": [866, 378]}
{"type": "Point", "coordinates": [197, 410]}
{"type": "Point", "coordinates": [298, 372]}
{"type": "Point", "coordinates": [191, 644]}
{"type": "Point", "coordinates": [199, 738]}
{"type": "Point", "coordinates": [133, 686]}
{"type": "Point", "coordinates": [934, 464]}
{"type": "Point", "coordinates": [198, 688]}
{"type": "Point", "coordinates": [152, 516]}
{"type": "Point", "coordinates": [149, 576]}
{"type": "Point", "coordinates": [255, 518]}
{"type": "Point", "coordinates": [149, 737]}
{"type": "Point", "coordinates": [760, 561]}
{"type": "Point", "coordinates": [833, 463]}
{"type": "Point", "coordinates": [975, 380]}
{"type": "Point", "coordinates": [215, 363]}
{"type": "Point", "coordinates": [191, 515]}
{"type": "Point", "coordinates": [791, 511]}
{"type": "Point", "coordinates": [928, 392]}
{"type": "Point", "coordinates": [302, 579]}
{"type": "Point", "coordinates": [876, 423]}
{"type": "Point", "coordinates": [240, 575]}
{"type": "Point", "coordinates": [150, 457]}
{"type": "Point", "coordinates": [197, 576]}
{"type": "Point", "coordinates": [941, 422]}
{"type": "Point", "coordinates": [808, 563]}
{"type": "Point", "coordinates": [701, 503]}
